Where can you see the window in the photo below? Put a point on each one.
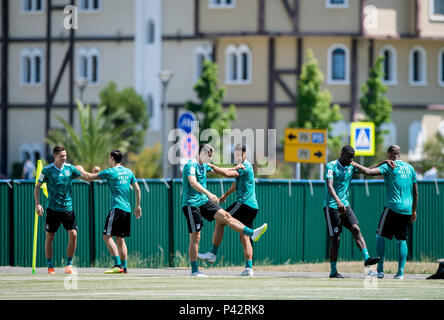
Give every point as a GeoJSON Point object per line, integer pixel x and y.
{"type": "Point", "coordinates": [90, 5]}
{"type": "Point", "coordinates": [390, 135]}
{"type": "Point", "coordinates": [390, 65]}
{"type": "Point", "coordinates": [436, 10]}
{"type": "Point", "coordinates": [417, 138]}
{"type": "Point", "coordinates": [31, 150]}
{"type": "Point", "coordinates": [238, 64]}
{"type": "Point", "coordinates": [441, 67]}
{"type": "Point", "coordinates": [201, 53]}
{"type": "Point", "coordinates": [32, 6]}
{"type": "Point", "coordinates": [89, 64]}
{"type": "Point", "coordinates": [338, 65]}
{"type": "Point", "coordinates": [418, 67]}
{"type": "Point", "coordinates": [214, 4]}
{"type": "Point", "coordinates": [336, 3]}
{"type": "Point", "coordinates": [32, 67]}
{"type": "Point", "coordinates": [150, 106]}
{"type": "Point", "coordinates": [150, 32]}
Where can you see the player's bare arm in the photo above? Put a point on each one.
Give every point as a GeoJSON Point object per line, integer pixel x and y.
{"type": "Point", "coordinates": [198, 187]}
{"type": "Point", "coordinates": [86, 176]}
{"type": "Point", "coordinates": [227, 172]}
{"type": "Point", "coordinates": [137, 209]}
{"type": "Point", "coordinates": [372, 171]}
{"type": "Point", "coordinates": [229, 191]}
{"type": "Point", "coordinates": [38, 206]}
{"type": "Point", "coordinates": [415, 202]}
{"type": "Point", "coordinates": [331, 190]}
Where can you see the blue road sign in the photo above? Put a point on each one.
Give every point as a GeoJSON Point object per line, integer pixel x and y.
{"type": "Point", "coordinates": [185, 121]}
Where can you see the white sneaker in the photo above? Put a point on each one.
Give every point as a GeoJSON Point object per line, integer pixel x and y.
{"type": "Point", "coordinates": [198, 274]}
{"type": "Point", "coordinates": [372, 273]}
{"type": "Point", "coordinates": [257, 233]}
{"type": "Point", "coordinates": [248, 272]}
{"type": "Point", "coordinates": [209, 256]}
{"type": "Point", "coordinates": [398, 277]}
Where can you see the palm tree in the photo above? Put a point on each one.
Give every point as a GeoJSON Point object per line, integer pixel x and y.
{"type": "Point", "coordinates": [98, 136]}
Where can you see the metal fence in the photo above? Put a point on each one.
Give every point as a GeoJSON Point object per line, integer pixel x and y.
{"type": "Point", "coordinates": [293, 210]}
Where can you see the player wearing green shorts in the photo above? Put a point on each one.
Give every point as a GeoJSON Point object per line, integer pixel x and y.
{"type": "Point", "coordinates": [118, 222]}
{"type": "Point", "coordinates": [58, 176]}
{"type": "Point", "coordinates": [199, 203]}
{"type": "Point", "coordinates": [400, 208]}
{"type": "Point", "coordinates": [245, 208]}
{"type": "Point", "coordinates": [337, 209]}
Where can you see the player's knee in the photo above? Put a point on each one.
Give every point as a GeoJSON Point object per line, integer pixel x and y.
{"type": "Point", "coordinates": [195, 236]}
{"type": "Point", "coordinates": [50, 236]}
{"type": "Point", "coordinates": [356, 230]}
{"type": "Point", "coordinates": [72, 234]}
{"type": "Point", "coordinates": [222, 217]}
{"type": "Point", "coordinates": [335, 239]}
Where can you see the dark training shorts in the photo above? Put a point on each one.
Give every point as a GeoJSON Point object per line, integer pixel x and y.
{"type": "Point", "coordinates": [55, 218]}
{"type": "Point", "coordinates": [118, 223]}
{"type": "Point", "coordinates": [335, 220]}
{"type": "Point", "coordinates": [194, 215]}
{"type": "Point", "coordinates": [394, 224]}
{"type": "Point", "coordinates": [243, 213]}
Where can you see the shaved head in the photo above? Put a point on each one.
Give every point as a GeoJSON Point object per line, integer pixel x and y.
{"type": "Point", "coordinates": [394, 152]}
{"type": "Point", "coordinates": [394, 149]}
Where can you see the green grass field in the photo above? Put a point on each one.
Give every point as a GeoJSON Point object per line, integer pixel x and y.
{"type": "Point", "coordinates": [223, 283]}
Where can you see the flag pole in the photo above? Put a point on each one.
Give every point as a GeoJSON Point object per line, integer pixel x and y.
{"type": "Point", "coordinates": [36, 219]}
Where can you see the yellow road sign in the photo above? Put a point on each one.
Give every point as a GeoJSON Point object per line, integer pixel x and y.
{"type": "Point", "coordinates": [305, 136]}
{"type": "Point", "coordinates": [306, 154]}
{"type": "Point", "coordinates": [362, 138]}
{"type": "Point", "coordinates": [305, 145]}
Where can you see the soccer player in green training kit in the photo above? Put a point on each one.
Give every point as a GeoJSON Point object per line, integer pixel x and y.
{"type": "Point", "coordinates": [337, 210]}
{"type": "Point", "coordinates": [244, 209]}
{"type": "Point", "coordinates": [118, 222]}
{"type": "Point", "coordinates": [198, 202]}
{"type": "Point", "coordinates": [400, 209]}
{"type": "Point", "coordinates": [58, 176]}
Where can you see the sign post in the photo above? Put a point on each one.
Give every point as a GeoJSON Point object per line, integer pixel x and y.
{"type": "Point", "coordinates": [305, 146]}
{"type": "Point", "coordinates": [189, 145]}
{"type": "Point", "coordinates": [362, 139]}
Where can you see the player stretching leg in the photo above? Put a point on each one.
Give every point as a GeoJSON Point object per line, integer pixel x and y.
{"type": "Point", "coordinates": [198, 202]}
{"type": "Point", "coordinates": [118, 222]}
{"type": "Point", "coordinates": [337, 210]}
{"type": "Point", "coordinates": [400, 209]}
{"type": "Point", "coordinates": [244, 209]}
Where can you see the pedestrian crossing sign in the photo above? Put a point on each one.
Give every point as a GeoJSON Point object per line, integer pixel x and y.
{"type": "Point", "coordinates": [362, 138]}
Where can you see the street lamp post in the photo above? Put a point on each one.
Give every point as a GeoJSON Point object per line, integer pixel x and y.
{"type": "Point", "coordinates": [165, 76]}
{"type": "Point", "coordinates": [81, 83]}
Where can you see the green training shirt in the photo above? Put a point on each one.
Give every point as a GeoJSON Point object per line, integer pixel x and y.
{"type": "Point", "coordinates": [59, 182]}
{"type": "Point", "coordinates": [399, 186]}
{"type": "Point", "coordinates": [190, 196]}
{"type": "Point", "coordinates": [245, 186]}
{"type": "Point", "coordinates": [342, 177]}
{"type": "Point", "coordinates": [119, 180]}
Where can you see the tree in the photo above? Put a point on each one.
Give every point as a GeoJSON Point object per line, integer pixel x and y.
{"type": "Point", "coordinates": [148, 163]}
{"type": "Point", "coordinates": [210, 109]}
{"type": "Point", "coordinates": [314, 109]}
{"type": "Point", "coordinates": [434, 154]}
{"type": "Point", "coordinates": [98, 136]}
{"type": "Point", "coordinates": [135, 112]}
{"type": "Point", "coordinates": [376, 106]}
